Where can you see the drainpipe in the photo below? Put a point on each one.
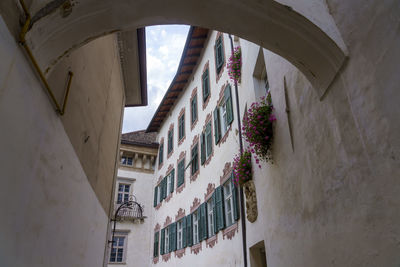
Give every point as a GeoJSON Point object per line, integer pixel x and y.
{"type": "Point", "coordinates": [240, 188]}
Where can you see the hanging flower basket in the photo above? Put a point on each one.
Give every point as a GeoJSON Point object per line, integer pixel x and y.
{"type": "Point", "coordinates": [235, 65]}
{"type": "Point", "coordinates": [257, 128]}
{"type": "Point", "coordinates": [242, 171]}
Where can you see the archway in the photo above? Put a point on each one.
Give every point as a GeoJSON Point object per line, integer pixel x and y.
{"type": "Point", "coordinates": [58, 28]}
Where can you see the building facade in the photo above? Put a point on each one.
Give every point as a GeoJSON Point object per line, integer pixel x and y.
{"type": "Point", "coordinates": [196, 204]}
{"type": "Point", "coordinates": [131, 236]}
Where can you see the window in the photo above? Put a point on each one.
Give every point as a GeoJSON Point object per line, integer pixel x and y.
{"type": "Point", "coordinates": [155, 246]}
{"type": "Point", "coordinates": [166, 244]}
{"type": "Point", "coordinates": [219, 54]}
{"type": "Point", "coordinates": [193, 108]}
{"type": "Point", "coordinates": [160, 154]}
{"type": "Point", "coordinates": [206, 143]}
{"type": "Point", "coordinates": [170, 182]}
{"type": "Point", "coordinates": [125, 160]}
{"type": "Point", "coordinates": [170, 140]}
{"type": "Point", "coordinates": [117, 253]}
{"type": "Point", "coordinates": [195, 159]}
{"type": "Point", "coordinates": [205, 84]}
{"type": "Point", "coordinates": [181, 236]}
{"type": "Point", "coordinates": [210, 215]}
{"type": "Point", "coordinates": [228, 203]}
{"type": "Point", "coordinates": [123, 193]}
{"type": "Point", "coordinates": [181, 173]}
{"type": "Point", "coordinates": [181, 126]}
{"type": "Point", "coordinates": [223, 115]}
{"type": "Point", "coordinates": [195, 217]}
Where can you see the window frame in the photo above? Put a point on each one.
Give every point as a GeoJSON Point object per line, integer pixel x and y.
{"type": "Point", "coordinates": [125, 160]}
{"type": "Point", "coordinates": [219, 65]}
{"type": "Point", "coordinates": [117, 246]}
{"type": "Point", "coordinates": [166, 240]}
{"type": "Point", "coordinates": [228, 198]}
{"type": "Point", "coordinates": [210, 219]}
{"type": "Point", "coordinates": [161, 154]}
{"type": "Point", "coordinates": [181, 126]}
{"type": "Point", "coordinates": [123, 192]}
{"type": "Point", "coordinates": [179, 231]}
{"type": "Point", "coordinates": [206, 84]}
{"type": "Point", "coordinates": [181, 171]}
{"type": "Point", "coordinates": [195, 226]}
{"type": "Point", "coordinates": [170, 141]}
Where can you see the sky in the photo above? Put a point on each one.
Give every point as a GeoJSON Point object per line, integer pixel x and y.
{"type": "Point", "coordinates": [164, 46]}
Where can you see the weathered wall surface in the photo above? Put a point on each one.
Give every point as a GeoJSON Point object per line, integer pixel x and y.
{"type": "Point", "coordinates": [94, 110]}
{"type": "Point", "coordinates": [334, 200]}
{"type": "Point", "coordinates": [50, 214]}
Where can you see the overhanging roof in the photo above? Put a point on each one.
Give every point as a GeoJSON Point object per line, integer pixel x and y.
{"type": "Point", "coordinates": [190, 56]}
{"type": "Point", "coordinates": [132, 52]}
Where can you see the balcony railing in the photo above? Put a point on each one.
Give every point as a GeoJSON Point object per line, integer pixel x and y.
{"type": "Point", "coordinates": [130, 210]}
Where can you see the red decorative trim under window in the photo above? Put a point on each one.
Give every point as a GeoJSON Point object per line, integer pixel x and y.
{"type": "Point", "coordinates": [230, 231]}
{"type": "Point", "coordinates": [195, 248]}
{"type": "Point", "coordinates": [226, 173]}
{"type": "Point", "coordinates": [155, 260]}
{"type": "Point", "coordinates": [211, 241]}
{"type": "Point", "coordinates": [218, 75]}
{"type": "Point", "coordinates": [179, 253]}
{"type": "Point", "coordinates": [166, 257]}
{"type": "Point", "coordinates": [195, 205]}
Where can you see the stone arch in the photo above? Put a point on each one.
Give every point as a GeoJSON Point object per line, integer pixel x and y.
{"type": "Point", "coordinates": [272, 25]}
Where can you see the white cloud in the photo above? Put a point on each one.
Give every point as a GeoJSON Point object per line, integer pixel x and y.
{"type": "Point", "coordinates": [164, 49]}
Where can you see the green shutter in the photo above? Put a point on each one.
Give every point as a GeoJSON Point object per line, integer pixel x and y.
{"type": "Point", "coordinates": [164, 188]}
{"type": "Point", "coordinates": [181, 173]}
{"type": "Point", "coordinates": [236, 213]}
{"type": "Point", "coordinates": [206, 89]}
{"type": "Point", "coordinates": [160, 154]}
{"type": "Point", "coordinates": [189, 231]}
{"type": "Point", "coordinates": [228, 101]}
{"type": "Point", "coordinates": [155, 250]}
{"type": "Point", "coordinates": [219, 205]}
{"type": "Point", "coordinates": [162, 241]}
{"type": "Point", "coordinates": [184, 232]}
{"type": "Point", "coordinates": [203, 149]}
{"type": "Point", "coordinates": [219, 53]}
{"type": "Point", "coordinates": [194, 109]}
{"type": "Point", "coordinates": [172, 181]}
{"type": "Point", "coordinates": [208, 140]}
{"type": "Point", "coordinates": [217, 125]}
{"type": "Point", "coordinates": [172, 237]}
{"type": "Point", "coordinates": [214, 212]}
{"type": "Point", "coordinates": [155, 196]}
{"type": "Point", "coordinates": [203, 221]}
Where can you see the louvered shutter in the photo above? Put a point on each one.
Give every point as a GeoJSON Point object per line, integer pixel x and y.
{"type": "Point", "coordinates": [217, 126]}
{"type": "Point", "coordinates": [172, 237]}
{"type": "Point", "coordinates": [208, 140]}
{"type": "Point", "coordinates": [162, 244]}
{"type": "Point", "coordinates": [203, 149]}
{"type": "Point", "coordinates": [203, 221]}
{"type": "Point", "coordinates": [155, 245]}
{"type": "Point", "coordinates": [189, 231]}
{"type": "Point", "coordinates": [184, 232]}
{"type": "Point", "coordinates": [228, 101]}
{"type": "Point", "coordinates": [219, 204]}
{"type": "Point", "coordinates": [214, 212]}
{"type": "Point", "coordinates": [164, 187]}
{"type": "Point", "coordinates": [181, 173]}
{"type": "Point", "coordinates": [219, 54]}
{"type": "Point", "coordinates": [155, 196]}
{"type": "Point", "coordinates": [236, 213]}
{"type": "Point", "coordinates": [172, 180]}
{"type": "Point", "coordinates": [206, 89]}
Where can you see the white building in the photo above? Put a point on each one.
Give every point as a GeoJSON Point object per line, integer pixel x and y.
{"type": "Point", "coordinates": [131, 247]}
{"type": "Point", "coordinates": [197, 213]}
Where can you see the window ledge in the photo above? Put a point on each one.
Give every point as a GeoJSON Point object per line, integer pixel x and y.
{"type": "Point", "coordinates": [180, 188]}
{"type": "Point", "coordinates": [155, 260]}
{"type": "Point", "coordinates": [166, 257]}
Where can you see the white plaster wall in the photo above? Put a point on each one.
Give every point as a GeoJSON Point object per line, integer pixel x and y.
{"type": "Point", "coordinates": [225, 252]}
{"type": "Point", "coordinates": [138, 246]}
{"type": "Point", "coordinates": [50, 214]}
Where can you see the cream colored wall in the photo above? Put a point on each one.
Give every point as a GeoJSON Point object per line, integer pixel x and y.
{"type": "Point", "coordinates": [225, 252]}
{"type": "Point", "coordinates": [50, 213]}
{"type": "Point", "coordinates": [93, 115]}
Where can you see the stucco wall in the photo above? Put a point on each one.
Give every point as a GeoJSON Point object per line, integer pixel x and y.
{"type": "Point", "coordinates": [50, 213]}
{"type": "Point", "coordinates": [93, 115]}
